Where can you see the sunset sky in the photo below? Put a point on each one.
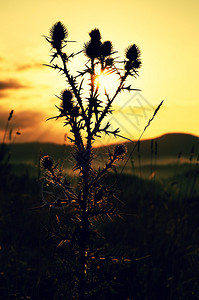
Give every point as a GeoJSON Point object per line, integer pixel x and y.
{"type": "Point", "coordinates": [167, 33]}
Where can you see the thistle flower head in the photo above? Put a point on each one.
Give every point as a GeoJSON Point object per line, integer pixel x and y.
{"type": "Point", "coordinates": [95, 35]}
{"type": "Point", "coordinates": [133, 56]}
{"type": "Point", "coordinates": [66, 95]}
{"type": "Point", "coordinates": [67, 103]}
{"type": "Point", "coordinates": [46, 163]}
{"type": "Point", "coordinates": [106, 48]}
{"type": "Point", "coordinates": [119, 151]}
{"type": "Point", "coordinates": [58, 33]}
{"type": "Point", "coordinates": [92, 49]}
{"type": "Point", "coordinates": [133, 52]}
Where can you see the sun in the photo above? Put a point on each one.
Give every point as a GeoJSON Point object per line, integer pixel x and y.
{"type": "Point", "coordinates": [106, 81]}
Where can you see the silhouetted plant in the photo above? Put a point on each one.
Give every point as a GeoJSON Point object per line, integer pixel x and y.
{"type": "Point", "coordinates": [91, 200]}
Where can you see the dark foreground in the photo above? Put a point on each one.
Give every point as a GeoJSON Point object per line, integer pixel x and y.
{"type": "Point", "coordinates": [152, 249]}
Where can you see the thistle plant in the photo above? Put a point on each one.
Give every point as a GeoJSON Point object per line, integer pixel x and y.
{"type": "Point", "coordinates": [84, 112]}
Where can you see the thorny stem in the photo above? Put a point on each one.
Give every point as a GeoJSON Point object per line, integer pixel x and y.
{"type": "Point", "coordinates": [84, 233]}
{"type": "Point", "coordinates": [72, 84]}
{"type": "Point", "coordinates": [79, 143]}
{"type": "Point", "coordinates": [103, 171]}
{"type": "Point", "coordinates": [82, 246]}
{"type": "Point", "coordinates": [90, 107]}
{"type": "Point", "coordinates": [60, 183]}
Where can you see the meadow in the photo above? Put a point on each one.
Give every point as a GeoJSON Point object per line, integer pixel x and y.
{"type": "Point", "coordinates": [150, 249]}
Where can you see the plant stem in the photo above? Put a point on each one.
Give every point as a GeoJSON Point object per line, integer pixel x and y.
{"type": "Point", "coordinates": [82, 249]}
{"type": "Point", "coordinates": [84, 233]}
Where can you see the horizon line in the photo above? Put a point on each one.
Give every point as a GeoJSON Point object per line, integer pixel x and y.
{"type": "Point", "coordinates": [105, 144]}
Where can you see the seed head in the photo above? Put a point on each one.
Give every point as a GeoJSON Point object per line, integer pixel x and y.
{"type": "Point", "coordinates": [95, 35]}
{"type": "Point", "coordinates": [106, 48]}
{"type": "Point", "coordinates": [46, 163]}
{"type": "Point", "coordinates": [132, 52]}
{"type": "Point", "coordinates": [67, 103]}
{"type": "Point", "coordinates": [66, 95]}
{"type": "Point", "coordinates": [92, 49]}
{"type": "Point", "coordinates": [58, 33]}
{"type": "Point", "coordinates": [119, 151]}
{"type": "Point", "coordinates": [133, 56]}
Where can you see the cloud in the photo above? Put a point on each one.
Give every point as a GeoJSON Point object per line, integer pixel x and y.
{"type": "Point", "coordinates": [21, 119]}
{"type": "Point", "coordinates": [11, 84]}
{"type": "Point", "coordinates": [32, 125]}
{"type": "Point", "coordinates": [8, 66]}
{"type": "Point", "coordinates": [27, 67]}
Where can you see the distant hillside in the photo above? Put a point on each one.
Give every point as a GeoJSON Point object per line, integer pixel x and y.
{"type": "Point", "coordinates": [32, 152]}
{"type": "Point", "coordinates": [168, 147]}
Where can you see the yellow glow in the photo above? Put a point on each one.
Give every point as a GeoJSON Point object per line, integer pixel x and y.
{"type": "Point", "coordinates": [169, 54]}
{"type": "Point", "coordinates": [107, 81]}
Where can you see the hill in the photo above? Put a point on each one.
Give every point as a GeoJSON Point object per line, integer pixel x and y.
{"type": "Point", "coordinates": [169, 147]}
{"type": "Point", "coordinates": [165, 148]}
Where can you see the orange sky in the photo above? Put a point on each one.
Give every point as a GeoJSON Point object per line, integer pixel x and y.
{"type": "Point", "coordinates": [165, 31]}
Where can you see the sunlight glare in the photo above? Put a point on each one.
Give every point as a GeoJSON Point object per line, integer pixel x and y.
{"type": "Point", "coordinates": [107, 81]}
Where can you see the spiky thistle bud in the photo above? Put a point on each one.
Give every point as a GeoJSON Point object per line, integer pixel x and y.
{"type": "Point", "coordinates": [133, 55]}
{"type": "Point", "coordinates": [119, 151]}
{"type": "Point", "coordinates": [58, 33]}
{"type": "Point", "coordinates": [106, 48]}
{"type": "Point", "coordinates": [46, 163]}
{"type": "Point", "coordinates": [132, 52]}
{"type": "Point", "coordinates": [92, 48]}
{"type": "Point", "coordinates": [95, 35]}
{"type": "Point", "coordinates": [67, 103]}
